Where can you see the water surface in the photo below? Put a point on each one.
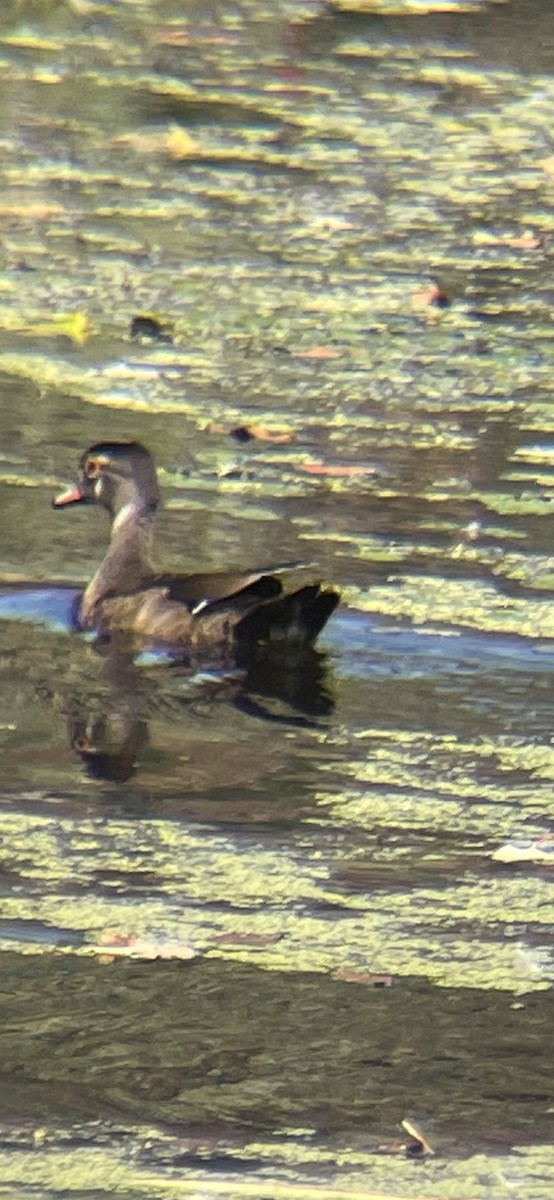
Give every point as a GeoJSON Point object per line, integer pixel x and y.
{"type": "Point", "coordinates": [251, 922]}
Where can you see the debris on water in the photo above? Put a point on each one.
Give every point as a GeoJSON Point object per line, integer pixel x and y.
{"type": "Point", "coordinates": [236, 938]}
{"type": "Point", "coordinates": [111, 944]}
{"type": "Point", "coordinates": [418, 1147]}
{"type": "Point", "coordinates": [179, 143]}
{"type": "Point", "coordinates": [432, 296]}
{"type": "Point", "coordinates": [318, 352]}
{"type": "Point", "coordinates": [146, 326]}
{"type": "Point", "coordinates": [249, 433]}
{"type": "Point", "coordinates": [529, 239]}
{"type": "Point", "coordinates": [369, 978]}
{"type": "Point", "coordinates": [338, 470]}
{"type": "Point", "coordinates": [233, 470]}
{"type": "Point", "coordinates": [538, 850]}
{"type": "Point", "coordinates": [469, 534]}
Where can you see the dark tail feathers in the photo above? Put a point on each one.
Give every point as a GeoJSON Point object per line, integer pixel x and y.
{"type": "Point", "coordinates": [296, 618]}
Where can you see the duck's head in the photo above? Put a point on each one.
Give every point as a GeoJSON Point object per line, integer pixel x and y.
{"type": "Point", "coordinates": [115, 475]}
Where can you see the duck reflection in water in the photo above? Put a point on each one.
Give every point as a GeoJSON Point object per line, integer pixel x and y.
{"type": "Point", "coordinates": [109, 730]}
{"type": "Point", "coordinates": [233, 635]}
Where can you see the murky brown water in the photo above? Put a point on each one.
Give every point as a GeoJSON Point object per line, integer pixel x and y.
{"type": "Point", "coordinates": [345, 868]}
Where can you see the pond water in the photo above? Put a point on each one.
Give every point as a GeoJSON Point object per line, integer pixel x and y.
{"type": "Point", "coordinates": [251, 923]}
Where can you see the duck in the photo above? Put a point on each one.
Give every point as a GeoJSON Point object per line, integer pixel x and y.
{"type": "Point", "coordinates": [222, 609]}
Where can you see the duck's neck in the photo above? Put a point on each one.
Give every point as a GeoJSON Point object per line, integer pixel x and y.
{"type": "Point", "coordinates": [127, 563]}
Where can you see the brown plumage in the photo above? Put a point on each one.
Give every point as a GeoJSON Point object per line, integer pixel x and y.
{"type": "Point", "coordinates": [193, 611]}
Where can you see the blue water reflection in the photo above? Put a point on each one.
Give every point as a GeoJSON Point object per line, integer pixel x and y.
{"type": "Point", "coordinates": [55, 607]}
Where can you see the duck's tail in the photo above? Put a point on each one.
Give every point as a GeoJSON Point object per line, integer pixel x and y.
{"type": "Point", "coordinates": [294, 619]}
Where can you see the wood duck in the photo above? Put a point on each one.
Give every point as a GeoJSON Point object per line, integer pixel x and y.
{"type": "Point", "coordinates": [240, 609]}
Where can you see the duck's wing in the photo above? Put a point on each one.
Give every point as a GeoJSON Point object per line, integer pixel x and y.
{"type": "Point", "coordinates": [202, 591]}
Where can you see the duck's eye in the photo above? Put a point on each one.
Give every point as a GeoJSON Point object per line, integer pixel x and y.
{"type": "Point", "coordinates": [93, 468]}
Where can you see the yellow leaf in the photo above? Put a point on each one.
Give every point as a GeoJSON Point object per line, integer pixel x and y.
{"type": "Point", "coordinates": [76, 326]}
{"type": "Point", "coordinates": [179, 143]}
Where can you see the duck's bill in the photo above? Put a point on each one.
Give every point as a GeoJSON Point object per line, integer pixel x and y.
{"type": "Point", "coordinates": [73, 495]}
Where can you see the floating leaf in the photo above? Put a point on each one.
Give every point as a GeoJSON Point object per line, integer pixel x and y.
{"type": "Point", "coordinates": [351, 975]}
{"type": "Point", "coordinates": [179, 143]}
{"type": "Point", "coordinates": [247, 433]}
{"type": "Point", "coordinates": [319, 352]}
{"type": "Point", "coordinates": [263, 434]}
{"type": "Point", "coordinates": [170, 37]}
{"type": "Point", "coordinates": [528, 240]}
{"type": "Point", "coordinates": [111, 944]}
{"type": "Point", "coordinates": [433, 296]}
{"type": "Point", "coordinates": [541, 850]}
{"type": "Point", "coordinates": [76, 326]}
{"type": "Point", "coordinates": [337, 470]}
